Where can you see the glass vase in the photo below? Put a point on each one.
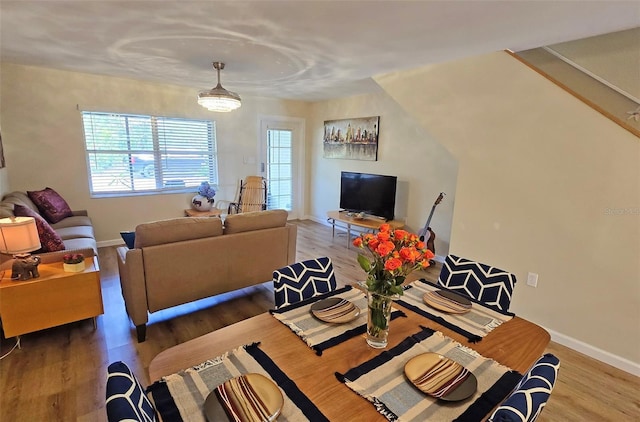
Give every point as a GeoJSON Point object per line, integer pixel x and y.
{"type": "Point", "coordinates": [379, 307]}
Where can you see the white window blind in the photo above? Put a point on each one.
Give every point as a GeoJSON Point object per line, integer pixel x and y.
{"type": "Point", "coordinates": [132, 154]}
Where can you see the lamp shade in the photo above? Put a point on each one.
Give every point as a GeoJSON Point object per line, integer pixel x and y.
{"type": "Point", "coordinates": [18, 235]}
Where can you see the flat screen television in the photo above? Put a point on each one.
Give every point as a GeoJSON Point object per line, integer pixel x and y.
{"type": "Point", "coordinates": [373, 194]}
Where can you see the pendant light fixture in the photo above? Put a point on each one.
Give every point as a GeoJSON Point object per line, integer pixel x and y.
{"type": "Point", "coordinates": [218, 98]}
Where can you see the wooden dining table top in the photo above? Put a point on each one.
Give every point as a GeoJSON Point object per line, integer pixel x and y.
{"type": "Point", "coordinates": [517, 344]}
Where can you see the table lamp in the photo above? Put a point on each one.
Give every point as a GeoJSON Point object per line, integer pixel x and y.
{"type": "Point", "coordinates": [19, 237]}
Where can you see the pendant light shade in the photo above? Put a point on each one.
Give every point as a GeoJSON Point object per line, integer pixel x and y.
{"type": "Point", "coordinates": [218, 98]}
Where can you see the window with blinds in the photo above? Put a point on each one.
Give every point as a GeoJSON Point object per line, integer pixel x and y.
{"type": "Point", "coordinates": [131, 154]}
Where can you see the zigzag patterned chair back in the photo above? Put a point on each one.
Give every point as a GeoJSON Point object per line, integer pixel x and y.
{"type": "Point", "coordinates": [491, 286]}
{"type": "Point", "coordinates": [532, 393]}
{"type": "Point", "coordinates": [125, 397]}
{"type": "Point", "coordinates": [303, 280]}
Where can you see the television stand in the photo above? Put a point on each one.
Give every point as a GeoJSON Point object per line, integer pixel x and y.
{"type": "Point", "coordinates": [367, 223]}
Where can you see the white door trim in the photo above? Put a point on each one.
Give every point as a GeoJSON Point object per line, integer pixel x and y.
{"type": "Point", "coordinates": [297, 126]}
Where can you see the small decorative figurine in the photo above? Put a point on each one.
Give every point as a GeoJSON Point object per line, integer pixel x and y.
{"type": "Point", "coordinates": [25, 266]}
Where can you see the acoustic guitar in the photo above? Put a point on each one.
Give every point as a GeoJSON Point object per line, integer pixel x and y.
{"type": "Point", "coordinates": [426, 229]}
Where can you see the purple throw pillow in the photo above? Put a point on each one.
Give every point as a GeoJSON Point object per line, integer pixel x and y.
{"type": "Point", "coordinates": [51, 205]}
{"type": "Point", "coordinates": [50, 241]}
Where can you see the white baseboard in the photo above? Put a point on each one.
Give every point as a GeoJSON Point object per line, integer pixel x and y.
{"type": "Point", "coordinates": [596, 353]}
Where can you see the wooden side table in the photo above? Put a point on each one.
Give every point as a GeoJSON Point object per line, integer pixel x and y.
{"type": "Point", "coordinates": [55, 298]}
{"type": "Point", "coordinates": [214, 212]}
{"type": "Point", "coordinates": [371, 223]}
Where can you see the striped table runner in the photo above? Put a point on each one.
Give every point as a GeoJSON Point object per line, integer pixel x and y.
{"type": "Point", "coordinates": [381, 380]}
{"type": "Point", "coordinates": [321, 335]}
{"type": "Point", "coordinates": [181, 396]}
{"type": "Point", "coordinates": [474, 325]}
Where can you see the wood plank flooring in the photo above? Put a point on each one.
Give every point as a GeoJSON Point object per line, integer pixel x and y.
{"type": "Point", "coordinates": [59, 374]}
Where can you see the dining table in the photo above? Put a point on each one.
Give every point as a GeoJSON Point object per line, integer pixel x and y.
{"type": "Point", "coordinates": [516, 344]}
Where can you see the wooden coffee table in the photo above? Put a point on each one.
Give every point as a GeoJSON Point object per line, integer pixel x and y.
{"type": "Point", "coordinates": [55, 298]}
{"type": "Point", "coordinates": [367, 223]}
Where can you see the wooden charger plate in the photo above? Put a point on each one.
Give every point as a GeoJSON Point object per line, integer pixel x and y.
{"type": "Point", "coordinates": [249, 398]}
{"type": "Point", "coordinates": [446, 301]}
{"type": "Point", "coordinates": [335, 310]}
{"type": "Point", "coordinates": [440, 377]}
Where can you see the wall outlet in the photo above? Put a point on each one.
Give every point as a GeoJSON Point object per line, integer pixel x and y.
{"type": "Point", "coordinates": [532, 280]}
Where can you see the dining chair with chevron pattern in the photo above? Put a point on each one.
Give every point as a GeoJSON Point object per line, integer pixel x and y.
{"type": "Point", "coordinates": [303, 280]}
{"type": "Point", "coordinates": [489, 285]}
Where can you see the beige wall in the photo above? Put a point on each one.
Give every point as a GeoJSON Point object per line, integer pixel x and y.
{"type": "Point", "coordinates": [44, 144]}
{"type": "Point", "coordinates": [546, 185]}
{"type": "Point", "coordinates": [423, 166]}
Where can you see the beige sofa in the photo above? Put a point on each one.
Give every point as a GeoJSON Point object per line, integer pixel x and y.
{"type": "Point", "coordinates": [181, 260]}
{"type": "Point", "coordinates": [76, 231]}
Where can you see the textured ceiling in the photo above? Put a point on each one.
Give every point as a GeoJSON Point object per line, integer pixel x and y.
{"type": "Point", "coordinates": [309, 50]}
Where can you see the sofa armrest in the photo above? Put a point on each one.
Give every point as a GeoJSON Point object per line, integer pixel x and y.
{"type": "Point", "coordinates": [132, 283]}
{"type": "Point", "coordinates": [293, 237]}
{"type": "Point", "coordinates": [81, 212]}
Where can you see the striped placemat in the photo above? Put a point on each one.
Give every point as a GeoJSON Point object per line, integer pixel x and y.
{"type": "Point", "coordinates": [381, 380]}
{"type": "Point", "coordinates": [320, 335]}
{"type": "Point", "coordinates": [474, 325]}
{"type": "Point", "coordinates": [181, 396]}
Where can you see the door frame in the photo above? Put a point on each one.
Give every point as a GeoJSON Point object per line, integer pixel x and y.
{"type": "Point", "coordinates": [299, 174]}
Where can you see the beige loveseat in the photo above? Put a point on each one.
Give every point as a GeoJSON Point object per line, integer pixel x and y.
{"type": "Point", "coordinates": [75, 231]}
{"type": "Point", "coordinates": [181, 260]}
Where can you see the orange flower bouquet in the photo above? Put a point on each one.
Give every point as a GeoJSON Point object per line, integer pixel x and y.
{"type": "Point", "coordinates": [394, 254]}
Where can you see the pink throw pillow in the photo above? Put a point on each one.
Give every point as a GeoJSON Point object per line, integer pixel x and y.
{"type": "Point", "coordinates": [50, 241]}
{"type": "Point", "coordinates": [51, 205]}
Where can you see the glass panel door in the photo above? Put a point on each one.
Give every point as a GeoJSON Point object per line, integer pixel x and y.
{"type": "Point", "coordinates": [282, 163]}
{"type": "Point", "coordinates": [279, 169]}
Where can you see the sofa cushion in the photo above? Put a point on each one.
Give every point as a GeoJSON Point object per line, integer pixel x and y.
{"type": "Point", "coordinates": [176, 230]}
{"type": "Point", "coordinates": [50, 241]}
{"type": "Point", "coordinates": [81, 244]}
{"type": "Point", "coordinates": [75, 232]}
{"type": "Point", "coordinates": [51, 205]}
{"type": "Point", "coordinates": [73, 221]}
{"type": "Point", "coordinates": [256, 220]}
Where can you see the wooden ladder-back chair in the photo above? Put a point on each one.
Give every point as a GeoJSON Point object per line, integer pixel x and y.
{"type": "Point", "coordinates": [251, 197]}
